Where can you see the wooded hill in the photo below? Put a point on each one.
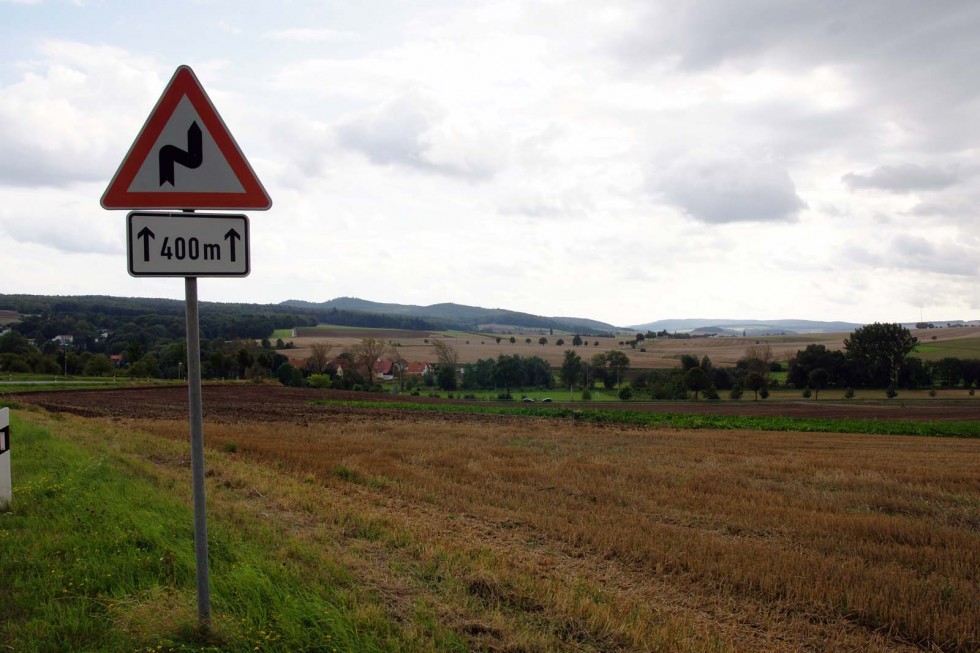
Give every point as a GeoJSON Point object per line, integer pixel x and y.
{"type": "Point", "coordinates": [107, 324]}
{"type": "Point", "coordinates": [453, 316]}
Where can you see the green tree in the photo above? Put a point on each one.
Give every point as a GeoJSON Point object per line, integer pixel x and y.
{"type": "Point", "coordinates": [98, 365]}
{"type": "Point", "coordinates": [696, 380]}
{"type": "Point", "coordinates": [878, 352]}
{"type": "Point", "coordinates": [571, 369]}
{"type": "Point", "coordinates": [755, 382]}
{"type": "Point", "coordinates": [577, 340]}
{"type": "Point", "coordinates": [617, 362]}
{"type": "Point", "coordinates": [446, 377]}
{"type": "Point", "coordinates": [597, 372]}
{"type": "Point", "coordinates": [147, 366]}
{"type": "Point", "coordinates": [689, 362]}
{"type": "Point", "coordinates": [507, 372]}
{"type": "Point", "coordinates": [818, 380]}
{"type": "Point", "coordinates": [14, 343]}
{"type": "Point", "coordinates": [813, 357]}
{"type": "Point", "coordinates": [134, 351]}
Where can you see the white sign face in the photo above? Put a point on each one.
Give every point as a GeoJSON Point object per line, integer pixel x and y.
{"type": "Point", "coordinates": [6, 487]}
{"type": "Point", "coordinates": [193, 165]}
{"type": "Point", "coordinates": [187, 245]}
{"type": "Point", "coordinates": [185, 158]}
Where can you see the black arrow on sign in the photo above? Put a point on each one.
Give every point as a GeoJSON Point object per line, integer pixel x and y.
{"type": "Point", "coordinates": [231, 236]}
{"type": "Point", "coordinates": [146, 235]}
{"type": "Point", "coordinates": [192, 157]}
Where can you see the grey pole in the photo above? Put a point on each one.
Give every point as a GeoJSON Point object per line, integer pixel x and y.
{"type": "Point", "coordinates": [196, 405]}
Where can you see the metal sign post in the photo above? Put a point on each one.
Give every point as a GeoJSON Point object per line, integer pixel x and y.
{"type": "Point", "coordinates": [196, 406]}
{"type": "Point", "coordinates": [185, 158]}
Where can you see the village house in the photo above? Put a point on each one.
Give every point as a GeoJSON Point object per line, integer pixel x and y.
{"type": "Point", "coordinates": [416, 368]}
{"type": "Point", "coordinates": [384, 369]}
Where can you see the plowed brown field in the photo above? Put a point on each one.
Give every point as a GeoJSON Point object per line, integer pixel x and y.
{"type": "Point", "coordinates": [275, 403]}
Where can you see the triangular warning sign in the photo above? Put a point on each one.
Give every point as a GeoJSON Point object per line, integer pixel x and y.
{"type": "Point", "coordinates": [185, 158]}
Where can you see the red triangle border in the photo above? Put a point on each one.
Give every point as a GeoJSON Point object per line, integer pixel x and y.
{"type": "Point", "coordinates": [185, 84]}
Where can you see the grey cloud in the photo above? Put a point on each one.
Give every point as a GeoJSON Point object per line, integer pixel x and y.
{"type": "Point", "coordinates": [904, 178]}
{"type": "Point", "coordinates": [722, 189]}
{"type": "Point", "coordinates": [904, 252]}
{"type": "Point", "coordinates": [54, 232]}
{"type": "Point", "coordinates": [919, 253]}
{"type": "Point", "coordinates": [391, 133]}
{"type": "Point", "coordinates": [703, 34]}
{"type": "Point", "coordinates": [910, 65]}
{"type": "Point", "coordinates": [24, 165]}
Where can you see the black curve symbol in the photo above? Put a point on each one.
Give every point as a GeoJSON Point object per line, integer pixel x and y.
{"type": "Point", "coordinates": [192, 157]}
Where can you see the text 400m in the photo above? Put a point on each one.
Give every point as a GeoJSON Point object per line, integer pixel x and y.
{"type": "Point", "coordinates": [190, 248]}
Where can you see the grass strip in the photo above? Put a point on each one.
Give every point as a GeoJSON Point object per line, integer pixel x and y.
{"type": "Point", "coordinates": [98, 555]}
{"type": "Point", "coordinates": [954, 429]}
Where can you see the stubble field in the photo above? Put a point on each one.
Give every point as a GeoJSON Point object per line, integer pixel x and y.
{"type": "Point", "coordinates": [527, 534]}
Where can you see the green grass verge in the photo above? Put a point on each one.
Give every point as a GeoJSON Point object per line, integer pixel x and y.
{"type": "Point", "coordinates": [96, 556]}
{"type": "Point", "coordinates": [964, 429]}
{"type": "Point", "coordinates": [38, 382]}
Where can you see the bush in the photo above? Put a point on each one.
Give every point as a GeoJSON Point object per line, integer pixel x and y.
{"type": "Point", "coordinates": [764, 393]}
{"type": "Point", "coordinates": [807, 393]}
{"type": "Point", "coordinates": [625, 393]}
{"type": "Point", "coordinates": [586, 395]}
{"type": "Point", "coordinates": [735, 393]}
{"type": "Point", "coordinates": [891, 392]}
{"type": "Point", "coordinates": [849, 393]}
{"type": "Point", "coordinates": [319, 381]}
{"type": "Point", "coordinates": [711, 394]}
{"type": "Point", "coordinates": [932, 391]}
{"type": "Point", "coordinates": [505, 396]}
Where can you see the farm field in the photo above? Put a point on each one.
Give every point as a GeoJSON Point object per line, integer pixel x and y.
{"type": "Point", "coordinates": [514, 533]}
{"type": "Point", "coordinates": [661, 353]}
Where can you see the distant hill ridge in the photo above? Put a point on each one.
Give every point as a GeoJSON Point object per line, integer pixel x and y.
{"type": "Point", "coordinates": [458, 315]}
{"type": "Point", "coordinates": [749, 327]}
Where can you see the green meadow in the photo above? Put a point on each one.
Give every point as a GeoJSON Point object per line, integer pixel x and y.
{"type": "Point", "coordinates": [98, 555]}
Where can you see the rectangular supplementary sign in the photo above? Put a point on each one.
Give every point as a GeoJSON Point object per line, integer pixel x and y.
{"type": "Point", "coordinates": [187, 244]}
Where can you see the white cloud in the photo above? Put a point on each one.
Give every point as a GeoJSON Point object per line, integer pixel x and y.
{"type": "Point", "coordinates": [71, 115]}
{"type": "Point", "coordinates": [722, 187]}
{"type": "Point", "coordinates": [308, 35]}
{"type": "Point", "coordinates": [415, 131]}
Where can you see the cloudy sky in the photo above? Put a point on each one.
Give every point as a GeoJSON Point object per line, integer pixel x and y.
{"type": "Point", "coordinates": [618, 160]}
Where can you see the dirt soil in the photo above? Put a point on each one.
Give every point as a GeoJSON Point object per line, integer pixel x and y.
{"type": "Point", "coordinates": [272, 403]}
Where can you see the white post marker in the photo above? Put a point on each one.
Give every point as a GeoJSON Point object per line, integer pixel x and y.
{"type": "Point", "coordinates": [6, 486]}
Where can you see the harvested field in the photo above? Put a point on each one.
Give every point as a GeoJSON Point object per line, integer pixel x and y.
{"type": "Point", "coordinates": [535, 534]}
{"type": "Point", "coordinates": [662, 353]}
